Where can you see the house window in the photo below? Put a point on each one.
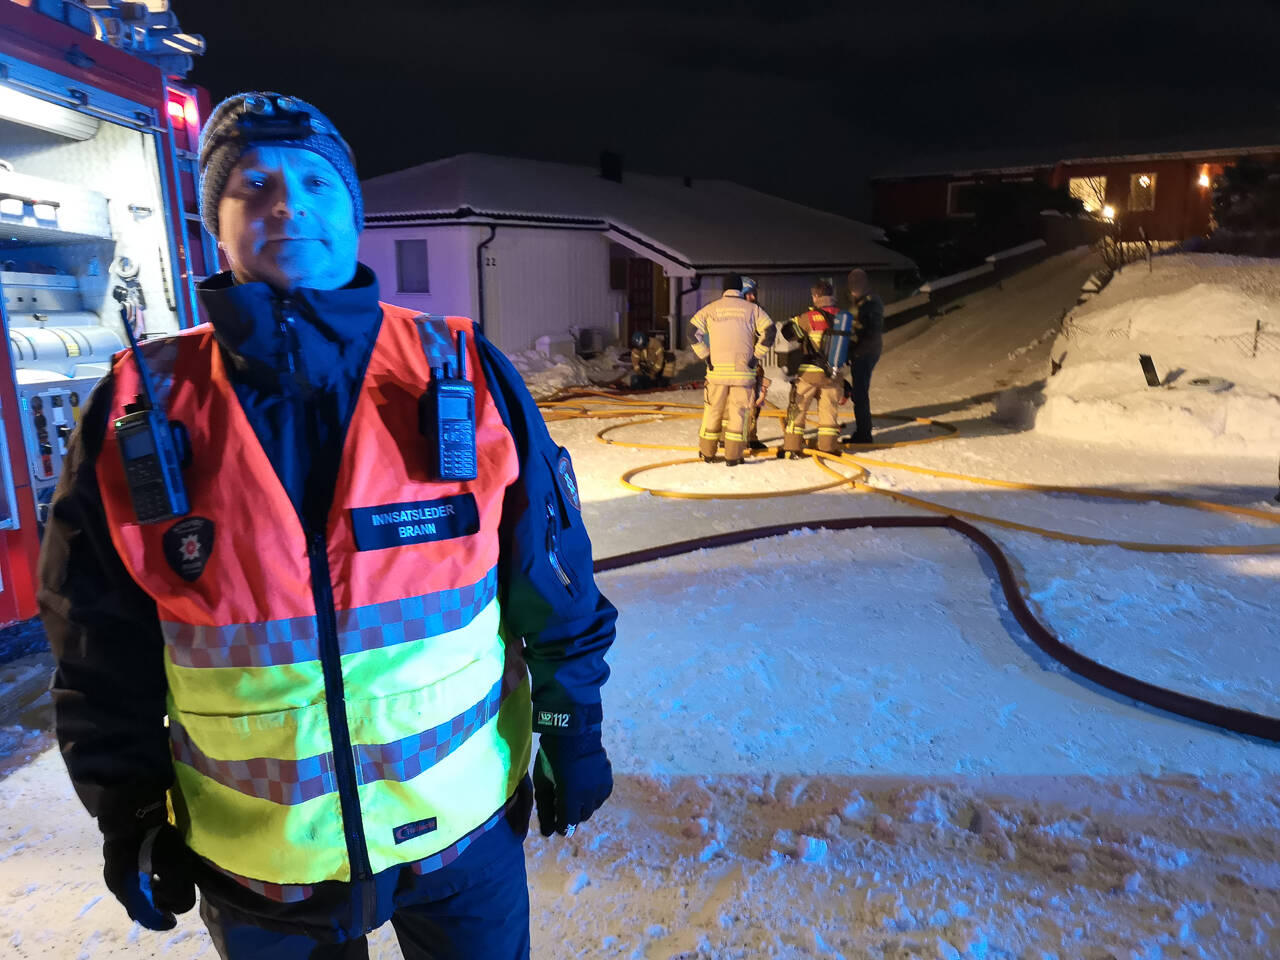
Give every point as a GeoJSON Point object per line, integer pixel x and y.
{"type": "Point", "coordinates": [1090, 191]}
{"type": "Point", "coordinates": [1142, 191]}
{"type": "Point", "coordinates": [411, 267]}
{"type": "Point", "coordinates": [960, 198]}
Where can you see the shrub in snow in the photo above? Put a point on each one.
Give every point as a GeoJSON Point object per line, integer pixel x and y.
{"type": "Point", "coordinates": [1246, 209]}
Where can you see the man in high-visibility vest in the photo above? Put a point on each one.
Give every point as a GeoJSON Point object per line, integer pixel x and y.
{"type": "Point", "coordinates": [312, 695]}
{"type": "Point", "coordinates": [733, 336]}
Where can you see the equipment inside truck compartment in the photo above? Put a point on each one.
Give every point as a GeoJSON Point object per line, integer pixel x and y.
{"type": "Point", "coordinates": [82, 230]}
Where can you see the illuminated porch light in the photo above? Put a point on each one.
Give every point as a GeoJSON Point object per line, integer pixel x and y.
{"type": "Point", "coordinates": [1144, 181]}
{"type": "Point", "coordinates": [1108, 212]}
{"type": "Point", "coordinates": [1204, 180]}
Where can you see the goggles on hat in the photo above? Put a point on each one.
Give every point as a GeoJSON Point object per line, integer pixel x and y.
{"type": "Point", "coordinates": [271, 117]}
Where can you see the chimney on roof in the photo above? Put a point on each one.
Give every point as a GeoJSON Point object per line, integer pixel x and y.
{"type": "Point", "coordinates": [611, 165]}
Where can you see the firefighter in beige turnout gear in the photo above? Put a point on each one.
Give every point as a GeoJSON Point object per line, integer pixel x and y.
{"type": "Point", "coordinates": [733, 336]}
{"type": "Point", "coordinates": [807, 333]}
{"type": "Point", "coordinates": [648, 361]}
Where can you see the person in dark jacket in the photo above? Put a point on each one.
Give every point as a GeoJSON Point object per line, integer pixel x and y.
{"type": "Point", "coordinates": [868, 327]}
{"type": "Point", "coordinates": [751, 293]}
{"type": "Point", "coordinates": [325, 588]}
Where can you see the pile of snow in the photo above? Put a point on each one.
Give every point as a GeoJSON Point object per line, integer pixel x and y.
{"type": "Point", "coordinates": [1211, 324]}
{"type": "Point", "coordinates": [545, 374]}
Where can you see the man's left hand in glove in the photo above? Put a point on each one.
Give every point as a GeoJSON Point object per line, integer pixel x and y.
{"type": "Point", "coordinates": [572, 777]}
{"type": "Point", "coordinates": [147, 865]}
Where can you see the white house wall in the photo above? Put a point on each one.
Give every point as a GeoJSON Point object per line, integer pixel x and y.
{"type": "Point", "coordinates": [786, 295]}
{"type": "Point", "coordinates": [451, 266]}
{"type": "Point", "coordinates": [542, 282]}
{"type": "Point", "coordinates": [537, 282]}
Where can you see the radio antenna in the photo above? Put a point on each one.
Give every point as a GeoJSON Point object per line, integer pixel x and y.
{"type": "Point", "coordinates": [123, 297]}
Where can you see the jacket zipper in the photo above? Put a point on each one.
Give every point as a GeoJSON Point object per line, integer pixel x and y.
{"type": "Point", "coordinates": [285, 321]}
{"type": "Point", "coordinates": [553, 545]}
{"type": "Point", "coordinates": [335, 701]}
{"type": "Point", "coordinates": [344, 766]}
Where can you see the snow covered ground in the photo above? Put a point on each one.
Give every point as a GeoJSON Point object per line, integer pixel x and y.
{"type": "Point", "coordinates": [840, 744]}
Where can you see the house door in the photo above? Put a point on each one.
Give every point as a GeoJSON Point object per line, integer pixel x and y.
{"type": "Point", "coordinates": [640, 313]}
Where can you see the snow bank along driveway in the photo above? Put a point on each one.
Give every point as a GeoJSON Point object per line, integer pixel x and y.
{"type": "Point", "coordinates": [1201, 317]}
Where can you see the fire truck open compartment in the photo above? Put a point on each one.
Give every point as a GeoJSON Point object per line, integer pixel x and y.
{"type": "Point", "coordinates": [82, 228]}
{"type": "Point", "coordinates": [98, 221]}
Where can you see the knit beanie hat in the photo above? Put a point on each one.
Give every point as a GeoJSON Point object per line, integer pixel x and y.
{"type": "Point", "coordinates": [247, 120]}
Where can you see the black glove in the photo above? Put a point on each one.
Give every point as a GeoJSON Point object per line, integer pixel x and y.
{"type": "Point", "coordinates": [751, 364]}
{"type": "Point", "coordinates": [572, 777]}
{"type": "Point", "coordinates": [149, 868]}
{"type": "Point", "coordinates": [709, 367]}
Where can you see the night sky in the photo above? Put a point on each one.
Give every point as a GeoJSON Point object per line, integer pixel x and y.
{"type": "Point", "coordinates": [798, 98]}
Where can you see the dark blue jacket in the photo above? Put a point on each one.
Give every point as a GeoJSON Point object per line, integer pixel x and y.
{"type": "Point", "coordinates": [297, 381]}
{"type": "Point", "coordinates": [869, 312]}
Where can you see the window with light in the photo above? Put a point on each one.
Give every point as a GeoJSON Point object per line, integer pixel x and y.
{"type": "Point", "coordinates": [1142, 191]}
{"type": "Point", "coordinates": [1090, 191]}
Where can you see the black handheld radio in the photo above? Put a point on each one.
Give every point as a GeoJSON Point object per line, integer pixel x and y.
{"type": "Point", "coordinates": [447, 411]}
{"type": "Point", "coordinates": [150, 446]}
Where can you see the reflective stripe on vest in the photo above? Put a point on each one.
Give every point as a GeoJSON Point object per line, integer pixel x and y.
{"type": "Point", "coordinates": [436, 703]}
{"type": "Point", "coordinates": [296, 640]}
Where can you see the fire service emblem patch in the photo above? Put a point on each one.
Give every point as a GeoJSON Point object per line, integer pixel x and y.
{"type": "Point", "coordinates": [187, 546]}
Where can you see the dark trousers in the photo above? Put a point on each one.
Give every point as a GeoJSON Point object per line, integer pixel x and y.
{"type": "Point", "coordinates": [861, 368]}
{"type": "Point", "coordinates": [482, 916]}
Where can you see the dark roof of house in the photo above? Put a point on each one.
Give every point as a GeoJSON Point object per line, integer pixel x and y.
{"type": "Point", "coordinates": [1013, 160]}
{"type": "Point", "coordinates": [704, 226]}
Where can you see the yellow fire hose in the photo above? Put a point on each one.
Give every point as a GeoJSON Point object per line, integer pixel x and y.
{"type": "Point", "coordinates": [604, 405]}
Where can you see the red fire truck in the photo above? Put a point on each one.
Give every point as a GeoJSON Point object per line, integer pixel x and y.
{"type": "Point", "coordinates": [98, 139]}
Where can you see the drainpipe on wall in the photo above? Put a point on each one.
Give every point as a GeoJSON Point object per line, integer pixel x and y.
{"type": "Point", "coordinates": [679, 318]}
{"type": "Point", "coordinates": [493, 232]}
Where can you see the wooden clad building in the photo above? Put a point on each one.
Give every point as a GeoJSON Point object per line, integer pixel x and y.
{"type": "Point", "coordinates": [1163, 195]}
